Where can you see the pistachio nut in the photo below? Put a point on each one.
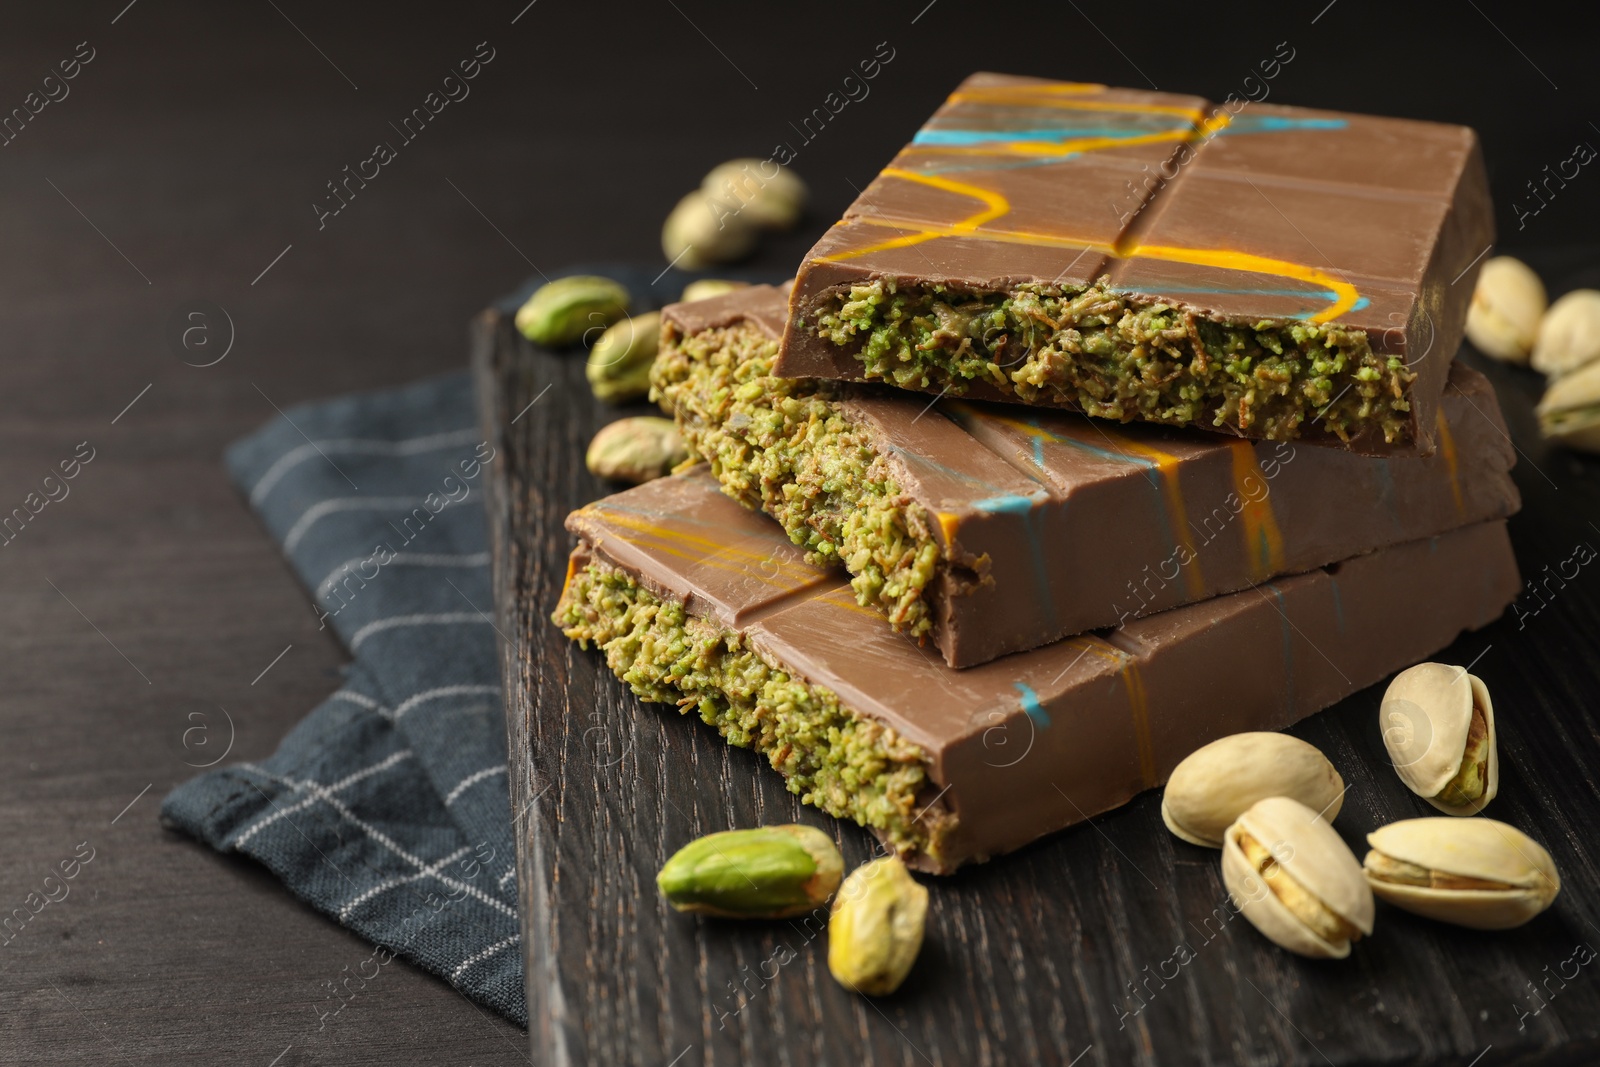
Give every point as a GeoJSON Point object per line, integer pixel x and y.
{"type": "Point", "coordinates": [702, 231]}
{"type": "Point", "coordinates": [1503, 318]}
{"type": "Point", "coordinates": [875, 931]}
{"type": "Point", "coordinates": [561, 312]}
{"type": "Point", "coordinates": [771, 872]}
{"type": "Point", "coordinates": [1438, 725]}
{"type": "Point", "coordinates": [1292, 876]}
{"type": "Point", "coordinates": [706, 288]}
{"type": "Point", "coordinates": [767, 194]}
{"type": "Point", "coordinates": [1471, 872]}
{"type": "Point", "coordinates": [1570, 409]}
{"type": "Point", "coordinates": [620, 361]}
{"type": "Point", "coordinates": [636, 450]}
{"type": "Point", "coordinates": [1216, 783]}
{"type": "Point", "coordinates": [1569, 334]}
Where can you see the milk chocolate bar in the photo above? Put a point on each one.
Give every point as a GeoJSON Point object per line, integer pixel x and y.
{"type": "Point", "coordinates": [1269, 272]}
{"type": "Point", "coordinates": [698, 602]}
{"type": "Point", "coordinates": [990, 528]}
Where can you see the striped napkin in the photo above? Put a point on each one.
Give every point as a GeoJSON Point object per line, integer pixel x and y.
{"type": "Point", "coordinates": [386, 807]}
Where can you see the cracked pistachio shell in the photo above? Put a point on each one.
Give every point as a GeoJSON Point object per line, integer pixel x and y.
{"type": "Point", "coordinates": [619, 363]}
{"type": "Point", "coordinates": [1503, 318]}
{"type": "Point", "coordinates": [1570, 409]}
{"type": "Point", "coordinates": [875, 930]}
{"type": "Point", "coordinates": [702, 231]}
{"type": "Point", "coordinates": [770, 872]}
{"type": "Point", "coordinates": [764, 193]}
{"type": "Point", "coordinates": [1569, 334]}
{"type": "Point", "coordinates": [1425, 717]}
{"type": "Point", "coordinates": [1455, 856]}
{"type": "Point", "coordinates": [1217, 783]}
{"type": "Point", "coordinates": [1311, 853]}
{"type": "Point", "coordinates": [636, 450]}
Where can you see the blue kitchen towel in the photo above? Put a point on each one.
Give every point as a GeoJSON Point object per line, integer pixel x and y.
{"type": "Point", "coordinates": [387, 807]}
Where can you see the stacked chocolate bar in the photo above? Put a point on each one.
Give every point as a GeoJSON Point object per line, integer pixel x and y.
{"type": "Point", "coordinates": [1105, 423]}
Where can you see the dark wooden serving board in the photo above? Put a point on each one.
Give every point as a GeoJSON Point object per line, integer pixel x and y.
{"type": "Point", "coordinates": [1098, 945]}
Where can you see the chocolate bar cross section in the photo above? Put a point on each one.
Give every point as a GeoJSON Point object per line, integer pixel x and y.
{"type": "Point", "coordinates": [1265, 271]}
{"type": "Point", "coordinates": [699, 602]}
{"type": "Point", "coordinates": [989, 529]}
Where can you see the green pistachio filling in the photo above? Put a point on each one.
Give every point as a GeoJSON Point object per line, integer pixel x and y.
{"type": "Point", "coordinates": [1103, 352]}
{"type": "Point", "coordinates": [1568, 420]}
{"type": "Point", "coordinates": [1473, 776]}
{"type": "Point", "coordinates": [783, 446]}
{"type": "Point", "coordinates": [849, 766]}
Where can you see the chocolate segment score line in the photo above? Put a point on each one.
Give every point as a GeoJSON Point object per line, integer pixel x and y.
{"type": "Point", "coordinates": [1274, 214]}
{"type": "Point", "coordinates": [1049, 523]}
{"type": "Point", "coordinates": [1030, 743]}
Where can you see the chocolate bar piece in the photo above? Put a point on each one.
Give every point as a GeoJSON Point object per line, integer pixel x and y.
{"type": "Point", "coordinates": [704, 604]}
{"type": "Point", "coordinates": [1269, 272]}
{"type": "Point", "coordinates": [991, 529]}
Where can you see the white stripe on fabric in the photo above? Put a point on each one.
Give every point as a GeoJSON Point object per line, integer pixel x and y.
{"type": "Point", "coordinates": [301, 453]}
{"type": "Point", "coordinates": [361, 700]}
{"type": "Point", "coordinates": [383, 887]}
{"type": "Point", "coordinates": [412, 559]}
{"type": "Point", "coordinates": [471, 780]}
{"type": "Point", "coordinates": [445, 691]}
{"type": "Point", "coordinates": [394, 846]}
{"type": "Point", "coordinates": [279, 812]}
{"type": "Point", "coordinates": [395, 622]}
{"type": "Point", "coordinates": [344, 503]}
{"type": "Point", "coordinates": [485, 954]}
{"type": "Point", "coordinates": [508, 876]}
{"type": "Point", "coordinates": [325, 794]}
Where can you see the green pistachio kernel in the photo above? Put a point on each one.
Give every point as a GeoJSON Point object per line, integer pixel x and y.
{"type": "Point", "coordinates": [561, 312]}
{"type": "Point", "coordinates": [771, 872]}
{"type": "Point", "coordinates": [619, 363]}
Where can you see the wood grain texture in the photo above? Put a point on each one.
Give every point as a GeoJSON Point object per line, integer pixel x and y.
{"type": "Point", "coordinates": [1109, 941]}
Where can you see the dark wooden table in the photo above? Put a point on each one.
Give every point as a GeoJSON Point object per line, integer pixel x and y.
{"type": "Point", "coordinates": [183, 164]}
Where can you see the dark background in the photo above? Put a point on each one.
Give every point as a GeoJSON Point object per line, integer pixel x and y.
{"type": "Point", "coordinates": [188, 155]}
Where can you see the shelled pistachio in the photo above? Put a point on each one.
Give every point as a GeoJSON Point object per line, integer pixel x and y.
{"type": "Point", "coordinates": [876, 928]}
{"type": "Point", "coordinates": [770, 872]}
{"type": "Point", "coordinates": [561, 312]}
{"type": "Point", "coordinates": [619, 363]}
{"type": "Point", "coordinates": [636, 450]}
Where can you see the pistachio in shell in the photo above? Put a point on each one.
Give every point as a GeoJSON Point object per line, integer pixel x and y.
{"type": "Point", "coordinates": [1217, 783]}
{"type": "Point", "coordinates": [1569, 334]}
{"type": "Point", "coordinates": [768, 194]}
{"type": "Point", "coordinates": [1507, 304]}
{"type": "Point", "coordinates": [1291, 875]}
{"type": "Point", "coordinates": [1569, 412]}
{"type": "Point", "coordinates": [706, 288]}
{"type": "Point", "coordinates": [1478, 873]}
{"type": "Point", "coordinates": [1438, 726]}
{"type": "Point", "coordinates": [702, 231]}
